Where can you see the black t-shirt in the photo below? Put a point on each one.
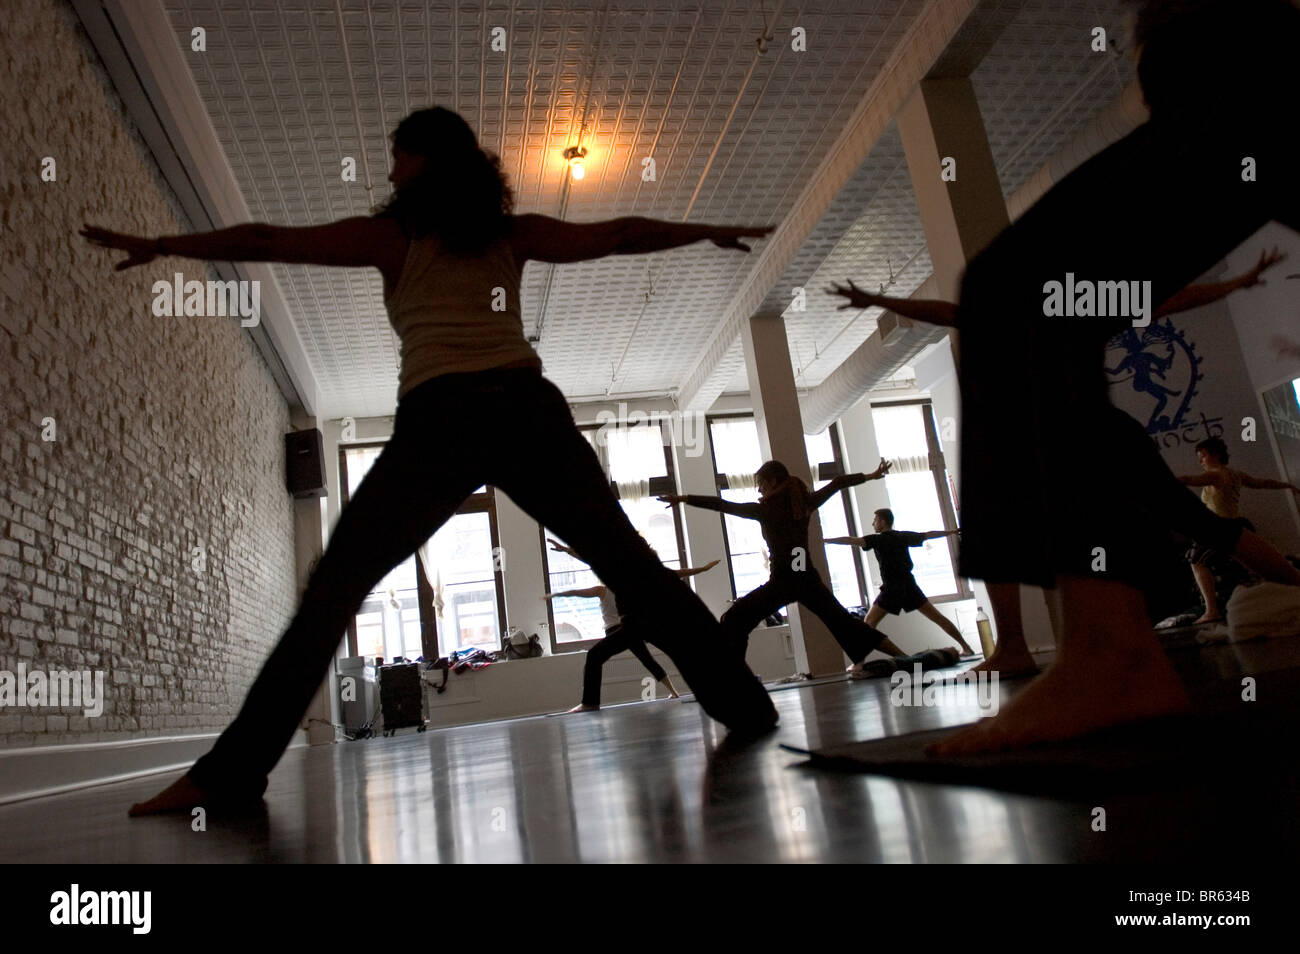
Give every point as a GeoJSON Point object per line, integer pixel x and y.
{"type": "Point", "coordinates": [891, 552]}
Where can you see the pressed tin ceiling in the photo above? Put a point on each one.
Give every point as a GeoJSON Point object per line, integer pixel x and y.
{"type": "Point", "coordinates": [292, 88]}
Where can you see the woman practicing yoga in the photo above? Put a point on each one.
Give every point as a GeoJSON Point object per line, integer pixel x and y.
{"type": "Point", "coordinates": [1221, 492]}
{"type": "Point", "coordinates": [1011, 656]}
{"type": "Point", "coordinates": [622, 632]}
{"type": "Point", "coordinates": [784, 508]}
{"type": "Point", "coordinates": [1162, 205]}
{"type": "Point", "coordinates": [447, 245]}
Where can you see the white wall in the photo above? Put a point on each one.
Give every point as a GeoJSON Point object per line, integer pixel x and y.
{"type": "Point", "coordinates": [1228, 392]}
{"type": "Point", "coordinates": [1261, 315]}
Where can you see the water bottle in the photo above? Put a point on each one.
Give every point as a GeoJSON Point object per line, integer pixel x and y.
{"type": "Point", "coordinates": [985, 629]}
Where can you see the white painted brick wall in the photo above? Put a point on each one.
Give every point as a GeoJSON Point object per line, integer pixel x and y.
{"type": "Point", "coordinates": [169, 430]}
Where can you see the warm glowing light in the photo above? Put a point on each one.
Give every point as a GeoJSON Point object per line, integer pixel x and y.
{"type": "Point", "coordinates": [575, 155]}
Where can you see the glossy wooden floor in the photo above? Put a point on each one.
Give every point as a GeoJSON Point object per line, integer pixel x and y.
{"type": "Point", "coordinates": [656, 782]}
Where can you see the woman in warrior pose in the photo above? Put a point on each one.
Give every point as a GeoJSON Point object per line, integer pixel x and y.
{"type": "Point", "coordinates": [447, 244]}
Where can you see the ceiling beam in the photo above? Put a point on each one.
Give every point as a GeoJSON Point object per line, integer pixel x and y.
{"type": "Point", "coordinates": [924, 43]}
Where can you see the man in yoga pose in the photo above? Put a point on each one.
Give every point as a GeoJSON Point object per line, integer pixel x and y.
{"type": "Point", "coordinates": [898, 590]}
{"type": "Point", "coordinates": [621, 633]}
{"type": "Point", "coordinates": [1183, 198]}
{"type": "Point", "coordinates": [784, 508]}
{"type": "Point", "coordinates": [1221, 492]}
{"type": "Point", "coordinates": [446, 244]}
{"type": "Point", "coordinates": [1011, 656]}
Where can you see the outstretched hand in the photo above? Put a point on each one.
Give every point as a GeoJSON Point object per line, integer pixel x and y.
{"type": "Point", "coordinates": [1286, 348]}
{"type": "Point", "coordinates": [883, 469]}
{"type": "Point", "coordinates": [559, 547]}
{"type": "Point", "coordinates": [730, 237]}
{"type": "Point", "coordinates": [856, 296]}
{"type": "Point", "coordinates": [1267, 259]}
{"type": "Point", "coordinates": [140, 251]}
{"type": "Point", "coordinates": [670, 499]}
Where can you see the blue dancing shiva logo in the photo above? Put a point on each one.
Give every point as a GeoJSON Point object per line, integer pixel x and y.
{"type": "Point", "coordinates": [1161, 364]}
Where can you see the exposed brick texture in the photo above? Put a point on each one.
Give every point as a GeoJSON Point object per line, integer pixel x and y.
{"type": "Point", "coordinates": [169, 430]}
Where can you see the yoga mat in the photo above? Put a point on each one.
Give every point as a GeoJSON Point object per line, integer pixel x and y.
{"type": "Point", "coordinates": [776, 686]}
{"type": "Point", "coordinates": [1204, 748]}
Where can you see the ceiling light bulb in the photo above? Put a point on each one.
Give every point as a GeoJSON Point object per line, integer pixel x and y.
{"type": "Point", "coordinates": [575, 155]}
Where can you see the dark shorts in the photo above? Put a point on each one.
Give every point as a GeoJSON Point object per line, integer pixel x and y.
{"type": "Point", "coordinates": [900, 598]}
{"type": "Point", "coordinates": [1201, 555]}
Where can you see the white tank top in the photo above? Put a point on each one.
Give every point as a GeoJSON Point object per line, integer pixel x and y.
{"type": "Point", "coordinates": [609, 609]}
{"type": "Point", "coordinates": [442, 310]}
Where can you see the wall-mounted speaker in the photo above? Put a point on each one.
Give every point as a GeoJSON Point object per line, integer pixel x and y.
{"type": "Point", "coordinates": [304, 463]}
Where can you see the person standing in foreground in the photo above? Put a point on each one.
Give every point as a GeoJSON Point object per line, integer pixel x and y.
{"type": "Point", "coordinates": [451, 251]}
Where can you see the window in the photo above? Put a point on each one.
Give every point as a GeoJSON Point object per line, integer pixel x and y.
{"type": "Point", "coordinates": [848, 582]}
{"type": "Point", "coordinates": [919, 492]}
{"type": "Point", "coordinates": [736, 456]}
{"type": "Point", "coordinates": [446, 597]}
{"type": "Point", "coordinates": [639, 463]}
{"type": "Point", "coordinates": [464, 577]}
{"type": "Point", "coordinates": [1282, 404]}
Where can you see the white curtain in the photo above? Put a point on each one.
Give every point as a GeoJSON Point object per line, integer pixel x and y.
{"type": "Point", "coordinates": [910, 465]}
{"type": "Point", "coordinates": [633, 490]}
{"type": "Point", "coordinates": [741, 481]}
{"type": "Point", "coordinates": [426, 557]}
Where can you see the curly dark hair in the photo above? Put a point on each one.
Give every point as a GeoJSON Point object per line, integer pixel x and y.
{"type": "Point", "coordinates": [1215, 447]}
{"type": "Point", "coordinates": [461, 197]}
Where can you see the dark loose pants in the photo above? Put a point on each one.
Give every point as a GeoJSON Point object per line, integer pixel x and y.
{"type": "Point", "coordinates": [855, 637]}
{"type": "Point", "coordinates": [617, 639]}
{"type": "Point", "coordinates": [1161, 205]}
{"type": "Point", "coordinates": [511, 429]}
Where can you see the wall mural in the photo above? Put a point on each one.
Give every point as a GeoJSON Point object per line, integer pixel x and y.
{"type": "Point", "coordinates": [1156, 370]}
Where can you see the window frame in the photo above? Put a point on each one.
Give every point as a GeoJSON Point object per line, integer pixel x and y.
{"type": "Point", "coordinates": [827, 470]}
{"type": "Point", "coordinates": [840, 468]}
{"type": "Point", "coordinates": [430, 636]}
{"type": "Point", "coordinates": [720, 484]}
{"type": "Point", "coordinates": [658, 486]}
{"type": "Point", "coordinates": [942, 488]}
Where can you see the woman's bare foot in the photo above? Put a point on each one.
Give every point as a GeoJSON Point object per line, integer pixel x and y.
{"type": "Point", "coordinates": [1073, 700]}
{"type": "Point", "coordinates": [180, 796]}
{"type": "Point", "coordinates": [1110, 670]}
{"type": "Point", "coordinates": [583, 707]}
{"type": "Point", "coordinates": [1208, 617]}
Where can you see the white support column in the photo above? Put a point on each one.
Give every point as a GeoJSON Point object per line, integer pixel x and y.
{"type": "Point", "coordinates": [780, 435]}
